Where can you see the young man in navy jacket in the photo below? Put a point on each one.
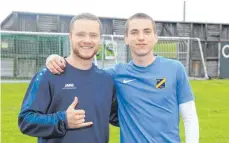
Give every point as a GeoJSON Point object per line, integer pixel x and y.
{"type": "Point", "coordinates": [75, 106]}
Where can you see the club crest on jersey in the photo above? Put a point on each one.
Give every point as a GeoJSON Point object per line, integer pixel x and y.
{"type": "Point", "coordinates": [160, 83]}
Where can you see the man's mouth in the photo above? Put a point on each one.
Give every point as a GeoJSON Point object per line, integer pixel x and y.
{"type": "Point", "coordinates": [141, 44]}
{"type": "Point", "coordinates": [86, 47]}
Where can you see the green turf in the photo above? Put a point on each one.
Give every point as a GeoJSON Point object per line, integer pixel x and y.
{"type": "Point", "coordinates": [168, 50]}
{"type": "Point", "coordinates": [212, 101]}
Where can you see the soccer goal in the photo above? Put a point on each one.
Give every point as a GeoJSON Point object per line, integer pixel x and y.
{"type": "Point", "coordinates": [24, 53]}
{"type": "Point", "coordinates": [185, 49]}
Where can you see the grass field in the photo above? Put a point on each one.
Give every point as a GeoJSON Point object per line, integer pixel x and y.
{"type": "Point", "coordinates": [168, 50]}
{"type": "Point", "coordinates": [212, 101]}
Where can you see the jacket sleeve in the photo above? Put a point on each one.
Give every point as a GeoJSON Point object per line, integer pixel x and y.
{"type": "Point", "coordinates": [33, 119]}
{"type": "Point", "coordinates": [114, 110]}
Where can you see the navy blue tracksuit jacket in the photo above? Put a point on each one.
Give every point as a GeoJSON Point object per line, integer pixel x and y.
{"type": "Point", "coordinates": [43, 111]}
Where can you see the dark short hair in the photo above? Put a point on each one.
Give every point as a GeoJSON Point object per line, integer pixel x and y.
{"type": "Point", "coordinates": [139, 16]}
{"type": "Point", "coordinates": [85, 16]}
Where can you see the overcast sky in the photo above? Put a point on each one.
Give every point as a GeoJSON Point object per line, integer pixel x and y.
{"type": "Point", "coordinates": [216, 11]}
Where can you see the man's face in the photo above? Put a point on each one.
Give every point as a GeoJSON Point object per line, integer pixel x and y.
{"type": "Point", "coordinates": [85, 38]}
{"type": "Point", "coordinates": [141, 37]}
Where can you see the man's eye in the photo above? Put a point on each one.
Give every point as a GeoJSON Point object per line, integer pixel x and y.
{"type": "Point", "coordinates": [80, 34]}
{"type": "Point", "coordinates": [93, 35]}
{"type": "Point", "coordinates": [147, 32]}
{"type": "Point", "coordinates": [134, 32]}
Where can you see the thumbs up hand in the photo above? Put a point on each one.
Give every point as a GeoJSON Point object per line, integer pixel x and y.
{"type": "Point", "coordinates": [76, 118]}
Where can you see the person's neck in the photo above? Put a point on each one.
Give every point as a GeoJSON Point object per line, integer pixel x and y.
{"type": "Point", "coordinates": [79, 63]}
{"type": "Point", "coordinates": [143, 61]}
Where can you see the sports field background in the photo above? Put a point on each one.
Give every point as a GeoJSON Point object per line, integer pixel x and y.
{"type": "Point", "coordinates": [212, 101]}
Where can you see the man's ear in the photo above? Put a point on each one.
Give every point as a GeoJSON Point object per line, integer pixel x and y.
{"type": "Point", "coordinates": [126, 40]}
{"type": "Point", "coordinates": [156, 38]}
{"type": "Point", "coordinates": [70, 36]}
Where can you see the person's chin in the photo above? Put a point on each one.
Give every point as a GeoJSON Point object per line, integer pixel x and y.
{"type": "Point", "coordinates": [86, 56]}
{"type": "Point", "coordinates": [142, 53]}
